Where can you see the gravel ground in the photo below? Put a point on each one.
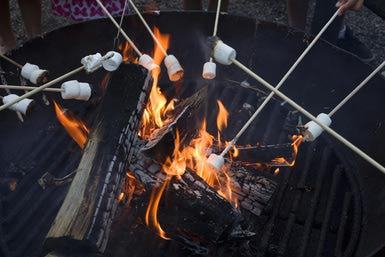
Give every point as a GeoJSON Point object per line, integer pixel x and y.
{"type": "Point", "coordinates": [367, 26]}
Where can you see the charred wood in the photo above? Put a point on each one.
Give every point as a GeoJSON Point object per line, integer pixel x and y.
{"type": "Point", "coordinates": [84, 219]}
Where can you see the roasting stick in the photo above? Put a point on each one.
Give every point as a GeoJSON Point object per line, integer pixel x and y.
{"type": "Point", "coordinates": [145, 60]}
{"type": "Point", "coordinates": [313, 130]}
{"type": "Point", "coordinates": [363, 83]}
{"type": "Point", "coordinates": [119, 28]}
{"type": "Point", "coordinates": [11, 61]}
{"type": "Point", "coordinates": [4, 81]}
{"type": "Point", "coordinates": [283, 80]}
{"type": "Point", "coordinates": [310, 116]}
{"type": "Point", "coordinates": [210, 68]}
{"type": "Point", "coordinates": [174, 69]}
{"type": "Point", "coordinates": [41, 88]}
{"type": "Point", "coordinates": [30, 88]}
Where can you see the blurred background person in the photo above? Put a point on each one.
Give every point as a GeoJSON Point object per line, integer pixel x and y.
{"type": "Point", "coordinates": [31, 15]}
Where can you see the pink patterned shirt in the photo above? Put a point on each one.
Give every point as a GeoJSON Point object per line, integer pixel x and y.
{"type": "Point", "coordinates": [80, 10]}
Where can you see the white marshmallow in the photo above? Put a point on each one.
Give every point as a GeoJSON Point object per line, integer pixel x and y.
{"type": "Point", "coordinates": [209, 70]}
{"type": "Point", "coordinates": [73, 89]}
{"type": "Point", "coordinates": [147, 62]}
{"type": "Point", "coordinates": [174, 69]}
{"type": "Point", "coordinates": [223, 53]}
{"type": "Point", "coordinates": [314, 130]}
{"type": "Point", "coordinates": [28, 69]}
{"type": "Point", "coordinates": [216, 161]}
{"type": "Point", "coordinates": [33, 73]}
{"type": "Point", "coordinates": [113, 63]}
{"type": "Point", "coordinates": [92, 62]}
{"type": "Point", "coordinates": [21, 106]}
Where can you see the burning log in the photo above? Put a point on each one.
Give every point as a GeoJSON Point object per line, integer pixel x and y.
{"type": "Point", "coordinates": [191, 208]}
{"type": "Point", "coordinates": [84, 219]}
{"type": "Point", "coordinates": [265, 153]}
{"type": "Point", "coordinates": [188, 116]}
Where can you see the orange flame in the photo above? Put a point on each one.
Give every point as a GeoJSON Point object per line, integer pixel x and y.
{"type": "Point", "coordinates": [156, 112]}
{"type": "Point", "coordinates": [74, 127]}
{"type": "Point", "coordinates": [222, 117]}
{"type": "Point", "coordinates": [152, 209]}
{"type": "Point", "coordinates": [128, 53]}
{"type": "Point", "coordinates": [297, 140]}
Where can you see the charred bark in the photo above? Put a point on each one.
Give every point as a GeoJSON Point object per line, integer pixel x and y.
{"type": "Point", "coordinates": [84, 220]}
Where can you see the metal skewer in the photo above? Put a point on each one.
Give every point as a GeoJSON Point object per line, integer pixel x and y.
{"type": "Point", "coordinates": [119, 28]}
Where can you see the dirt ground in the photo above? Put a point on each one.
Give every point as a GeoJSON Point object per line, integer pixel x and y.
{"type": "Point", "coordinates": [366, 25]}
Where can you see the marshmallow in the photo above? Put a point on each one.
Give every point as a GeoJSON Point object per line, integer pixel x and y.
{"type": "Point", "coordinates": [314, 130]}
{"type": "Point", "coordinates": [73, 89]}
{"type": "Point", "coordinates": [147, 62]}
{"type": "Point", "coordinates": [209, 70]}
{"type": "Point", "coordinates": [39, 77]}
{"type": "Point", "coordinates": [113, 63]}
{"type": "Point", "coordinates": [216, 161]}
{"type": "Point", "coordinates": [174, 69]}
{"type": "Point", "coordinates": [22, 106]}
{"type": "Point", "coordinates": [34, 74]}
{"type": "Point", "coordinates": [92, 62]}
{"type": "Point", "coordinates": [223, 53]}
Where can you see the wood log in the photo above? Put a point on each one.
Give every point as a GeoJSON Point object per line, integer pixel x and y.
{"type": "Point", "coordinates": [265, 153]}
{"type": "Point", "coordinates": [190, 209]}
{"type": "Point", "coordinates": [253, 191]}
{"type": "Point", "coordinates": [188, 119]}
{"type": "Point", "coordinates": [84, 219]}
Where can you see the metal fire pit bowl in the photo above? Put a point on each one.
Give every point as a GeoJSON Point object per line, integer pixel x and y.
{"type": "Point", "coordinates": [325, 76]}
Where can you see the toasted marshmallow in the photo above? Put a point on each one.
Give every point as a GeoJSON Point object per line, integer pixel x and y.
{"type": "Point", "coordinates": [147, 62]}
{"type": "Point", "coordinates": [174, 69]}
{"type": "Point", "coordinates": [112, 63]}
{"type": "Point", "coordinates": [313, 130]}
{"type": "Point", "coordinates": [209, 70]}
{"type": "Point", "coordinates": [223, 53]}
{"type": "Point", "coordinates": [74, 89]}
{"type": "Point", "coordinates": [92, 62]}
{"type": "Point", "coordinates": [34, 74]}
{"type": "Point", "coordinates": [21, 106]}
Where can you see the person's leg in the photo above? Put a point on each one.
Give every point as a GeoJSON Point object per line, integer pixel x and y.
{"type": "Point", "coordinates": [297, 13]}
{"type": "Point", "coordinates": [192, 4]}
{"type": "Point", "coordinates": [213, 5]}
{"type": "Point", "coordinates": [7, 38]}
{"type": "Point", "coordinates": [31, 13]}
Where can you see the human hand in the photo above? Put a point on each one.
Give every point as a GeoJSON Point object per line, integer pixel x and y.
{"type": "Point", "coordinates": [346, 5]}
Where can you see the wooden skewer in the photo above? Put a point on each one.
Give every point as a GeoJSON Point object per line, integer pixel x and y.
{"type": "Point", "coordinates": [147, 27]}
{"type": "Point", "coordinates": [30, 88]}
{"type": "Point", "coordinates": [283, 80]}
{"type": "Point", "coordinates": [41, 88]}
{"type": "Point", "coordinates": [11, 61]}
{"type": "Point", "coordinates": [310, 116]}
{"type": "Point", "coordinates": [119, 28]}
{"type": "Point", "coordinates": [216, 22]}
{"type": "Point", "coordinates": [363, 83]}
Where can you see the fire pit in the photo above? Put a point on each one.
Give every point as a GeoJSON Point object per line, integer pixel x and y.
{"type": "Point", "coordinates": [313, 204]}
